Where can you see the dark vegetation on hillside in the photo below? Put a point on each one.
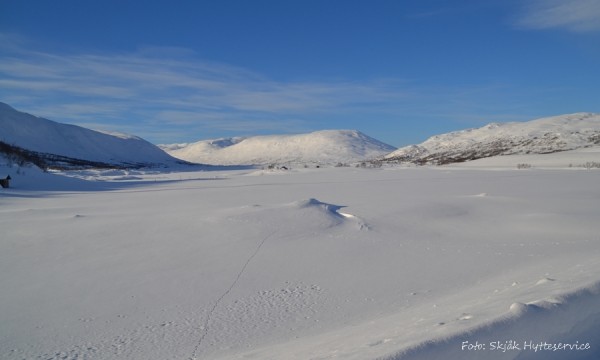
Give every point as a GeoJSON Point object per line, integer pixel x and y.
{"type": "Point", "coordinates": [46, 161]}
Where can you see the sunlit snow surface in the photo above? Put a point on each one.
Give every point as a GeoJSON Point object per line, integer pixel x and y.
{"type": "Point", "coordinates": [319, 147]}
{"type": "Point", "coordinates": [338, 263]}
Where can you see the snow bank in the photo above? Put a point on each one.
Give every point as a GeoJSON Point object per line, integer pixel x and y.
{"type": "Point", "coordinates": [564, 327]}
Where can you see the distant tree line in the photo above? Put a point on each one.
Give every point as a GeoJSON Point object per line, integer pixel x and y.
{"type": "Point", "coordinates": [45, 161]}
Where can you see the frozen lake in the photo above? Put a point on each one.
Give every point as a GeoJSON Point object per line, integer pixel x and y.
{"type": "Point", "coordinates": [304, 264]}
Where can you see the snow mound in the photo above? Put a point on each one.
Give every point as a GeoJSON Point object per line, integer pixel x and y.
{"type": "Point", "coordinates": [542, 136]}
{"type": "Point", "coordinates": [320, 147]}
{"type": "Point", "coordinates": [314, 203]}
{"type": "Point", "coordinates": [299, 218]}
{"type": "Point", "coordinates": [327, 210]}
{"type": "Point", "coordinates": [565, 328]}
{"type": "Point", "coordinates": [65, 143]}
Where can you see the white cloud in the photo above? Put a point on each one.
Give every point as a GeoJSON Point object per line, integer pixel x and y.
{"type": "Point", "coordinates": [172, 87]}
{"type": "Point", "coordinates": [573, 15]}
{"type": "Point", "coordinates": [171, 95]}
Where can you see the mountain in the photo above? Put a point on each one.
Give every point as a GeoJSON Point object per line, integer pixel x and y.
{"type": "Point", "coordinates": [541, 136]}
{"type": "Point", "coordinates": [320, 147]}
{"type": "Point", "coordinates": [51, 144]}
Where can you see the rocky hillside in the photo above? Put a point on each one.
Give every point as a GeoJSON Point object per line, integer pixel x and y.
{"type": "Point", "coordinates": [546, 135]}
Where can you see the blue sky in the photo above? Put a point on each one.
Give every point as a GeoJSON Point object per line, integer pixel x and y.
{"type": "Point", "coordinates": [400, 71]}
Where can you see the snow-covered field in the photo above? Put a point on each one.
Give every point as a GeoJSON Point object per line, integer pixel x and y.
{"type": "Point", "coordinates": [338, 263]}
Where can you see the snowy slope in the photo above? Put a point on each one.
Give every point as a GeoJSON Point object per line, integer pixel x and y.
{"type": "Point", "coordinates": [321, 147]}
{"type": "Point", "coordinates": [547, 135]}
{"type": "Point", "coordinates": [582, 158]}
{"type": "Point", "coordinates": [48, 137]}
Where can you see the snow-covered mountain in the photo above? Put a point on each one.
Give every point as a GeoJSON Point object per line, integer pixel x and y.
{"type": "Point", "coordinates": [320, 147]}
{"type": "Point", "coordinates": [57, 144]}
{"type": "Point", "coordinates": [541, 136]}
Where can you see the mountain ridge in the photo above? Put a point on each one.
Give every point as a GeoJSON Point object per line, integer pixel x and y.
{"type": "Point", "coordinates": [54, 144]}
{"type": "Point", "coordinates": [539, 136]}
{"type": "Point", "coordinates": [318, 147]}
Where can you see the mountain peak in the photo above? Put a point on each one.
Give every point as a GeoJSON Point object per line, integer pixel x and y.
{"type": "Point", "coordinates": [545, 135]}
{"type": "Point", "coordinates": [319, 147]}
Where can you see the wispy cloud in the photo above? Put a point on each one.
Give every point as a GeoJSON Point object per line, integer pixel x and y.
{"type": "Point", "coordinates": [171, 87]}
{"type": "Point", "coordinates": [573, 15]}
{"type": "Point", "coordinates": [171, 95]}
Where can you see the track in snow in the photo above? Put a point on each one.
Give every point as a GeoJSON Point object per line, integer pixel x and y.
{"type": "Point", "coordinates": [218, 301]}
